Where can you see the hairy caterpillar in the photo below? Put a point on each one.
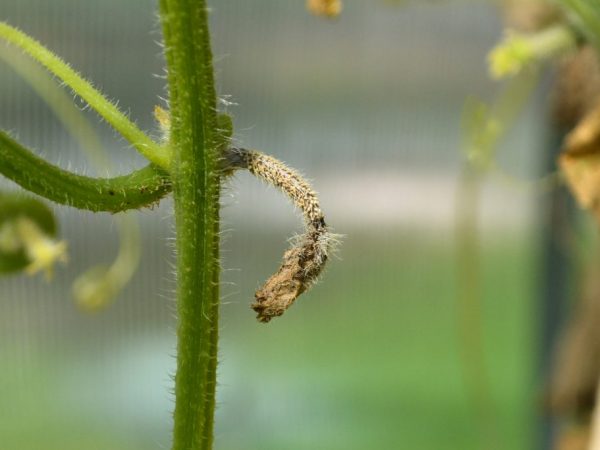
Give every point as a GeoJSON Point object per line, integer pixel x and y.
{"type": "Point", "coordinates": [304, 261]}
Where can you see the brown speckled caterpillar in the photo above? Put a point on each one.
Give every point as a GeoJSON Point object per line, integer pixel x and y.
{"type": "Point", "coordinates": [304, 261]}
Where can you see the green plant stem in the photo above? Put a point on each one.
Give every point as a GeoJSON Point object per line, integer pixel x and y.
{"type": "Point", "coordinates": [140, 188]}
{"type": "Point", "coordinates": [195, 141]}
{"type": "Point", "coordinates": [154, 152]}
{"type": "Point", "coordinates": [586, 16]}
{"type": "Point", "coordinates": [470, 307]}
{"type": "Point", "coordinates": [60, 102]}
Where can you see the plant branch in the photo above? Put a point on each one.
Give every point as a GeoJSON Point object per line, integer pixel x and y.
{"type": "Point", "coordinates": [154, 152]}
{"type": "Point", "coordinates": [141, 188]}
{"type": "Point", "coordinates": [195, 140]}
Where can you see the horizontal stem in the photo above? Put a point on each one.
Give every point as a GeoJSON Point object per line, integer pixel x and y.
{"type": "Point", "coordinates": [140, 188]}
{"type": "Point", "coordinates": [153, 151]}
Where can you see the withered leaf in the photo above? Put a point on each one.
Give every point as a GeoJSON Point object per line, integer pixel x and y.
{"type": "Point", "coordinates": [582, 173]}
{"type": "Point", "coordinates": [580, 161]}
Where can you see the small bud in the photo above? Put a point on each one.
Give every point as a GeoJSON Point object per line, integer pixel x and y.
{"type": "Point", "coordinates": [481, 131]}
{"type": "Point", "coordinates": [163, 118]}
{"type": "Point", "coordinates": [95, 289]}
{"type": "Point", "coordinates": [510, 56]}
{"type": "Point", "coordinates": [325, 8]}
{"type": "Point", "coordinates": [98, 287]}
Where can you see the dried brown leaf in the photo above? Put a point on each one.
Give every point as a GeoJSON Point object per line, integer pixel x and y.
{"type": "Point", "coordinates": [573, 438]}
{"type": "Point", "coordinates": [580, 161]}
{"type": "Point", "coordinates": [578, 86]}
{"type": "Point", "coordinates": [582, 173]}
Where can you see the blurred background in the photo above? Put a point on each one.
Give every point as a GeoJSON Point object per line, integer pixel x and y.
{"type": "Point", "coordinates": [367, 106]}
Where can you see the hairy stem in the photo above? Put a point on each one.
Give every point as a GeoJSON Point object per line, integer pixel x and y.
{"type": "Point", "coordinates": [155, 153]}
{"type": "Point", "coordinates": [141, 188]}
{"type": "Point", "coordinates": [195, 142]}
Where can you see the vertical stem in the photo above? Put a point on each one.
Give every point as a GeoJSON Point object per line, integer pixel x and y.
{"type": "Point", "coordinates": [195, 142]}
{"type": "Point", "coordinates": [556, 280]}
{"type": "Point", "coordinates": [470, 306]}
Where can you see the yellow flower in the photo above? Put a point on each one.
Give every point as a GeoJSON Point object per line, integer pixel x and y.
{"type": "Point", "coordinates": [42, 250]}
